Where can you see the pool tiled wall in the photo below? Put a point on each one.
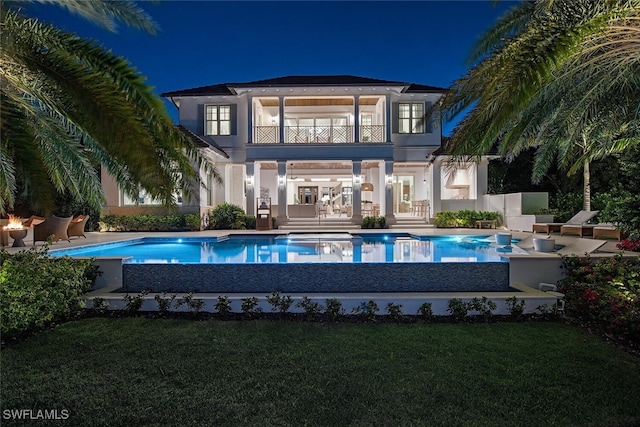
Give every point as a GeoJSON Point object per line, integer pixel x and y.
{"type": "Point", "coordinates": [320, 277]}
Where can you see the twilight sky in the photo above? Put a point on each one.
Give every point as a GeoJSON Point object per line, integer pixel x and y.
{"type": "Point", "coordinates": [209, 42]}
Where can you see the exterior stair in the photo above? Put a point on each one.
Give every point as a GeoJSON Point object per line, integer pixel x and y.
{"type": "Point", "coordinates": [411, 223]}
{"type": "Point", "coordinates": [328, 224]}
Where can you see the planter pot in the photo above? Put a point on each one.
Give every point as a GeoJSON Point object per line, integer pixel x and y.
{"type": "Point", "coordinates": [544, 245]}
{"type": "Point", "coordinates": [503, 239]}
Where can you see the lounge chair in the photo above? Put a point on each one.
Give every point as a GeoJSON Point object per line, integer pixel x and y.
{"type": "Point", "coordinates": [608, 231]}
{"type": "Point", "coordinates": [581, 247]}
{"type": "Point", "coordinates": [580, 218]}
{"type": "Point", "coordinates": [54, 227]}
{"type": "Point", "coordinates": [76, 226]}
{"type": "Point", "coordinates": [579, 230]}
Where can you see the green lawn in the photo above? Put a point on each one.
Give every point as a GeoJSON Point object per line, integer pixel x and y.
{"type": "Point", "coordinates": [140, 371]}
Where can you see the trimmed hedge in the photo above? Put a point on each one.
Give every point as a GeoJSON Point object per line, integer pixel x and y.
{"type": "Point", "coordinates": [37, 290]}
{"type": "Point", "coordinates": [177, 222]}
{"type": "Point", "coordinates": [465, 218]}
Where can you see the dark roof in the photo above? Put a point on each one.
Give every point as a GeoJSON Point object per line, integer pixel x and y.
{"type": "Point", "coordinates": [288, 81]}
{"type": "Point", "coordinates": [202, 143]}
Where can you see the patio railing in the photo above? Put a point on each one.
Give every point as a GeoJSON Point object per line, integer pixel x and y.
{"type": "Point", "coordinates": [318, 134]}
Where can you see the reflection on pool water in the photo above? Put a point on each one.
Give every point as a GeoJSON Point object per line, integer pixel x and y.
{"type": "Point", "coordinates": [301, 248]}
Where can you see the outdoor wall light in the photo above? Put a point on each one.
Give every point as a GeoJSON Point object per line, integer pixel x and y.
{"type": "Point", "coordinates": [249, 179]}
{"type": "Point", "coordinates": [357, 179]}
{"type": "Point", "coordinates": [389, 179]}
{"type": "Point", "coordinates": [281, 179]}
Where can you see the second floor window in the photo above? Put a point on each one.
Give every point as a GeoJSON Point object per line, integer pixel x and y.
{"type": "Point", "coordinates": [218, 120]}
{"type": "Point", "coordinates": [411, 117]}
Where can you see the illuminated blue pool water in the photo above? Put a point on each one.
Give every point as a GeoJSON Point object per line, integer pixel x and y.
{"type": "Point", "coordinates": [300, 248]}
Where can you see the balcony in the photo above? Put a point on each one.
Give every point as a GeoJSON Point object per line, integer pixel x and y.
{"type": "Point", "coordinates": [319, 134]}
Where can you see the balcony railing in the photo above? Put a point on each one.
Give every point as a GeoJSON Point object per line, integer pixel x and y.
{"type": "Point", "coordinates": [318, 134]}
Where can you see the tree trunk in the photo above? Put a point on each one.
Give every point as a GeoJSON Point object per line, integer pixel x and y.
{"type": "Point", "coordinates": [586, 187]}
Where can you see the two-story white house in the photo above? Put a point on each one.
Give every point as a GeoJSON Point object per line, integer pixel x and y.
{"type": "Point", "coordinates": [328, 146]}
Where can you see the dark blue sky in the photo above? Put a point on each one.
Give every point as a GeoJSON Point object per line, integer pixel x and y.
{"type": "Point", "coordinates": [208, 42]}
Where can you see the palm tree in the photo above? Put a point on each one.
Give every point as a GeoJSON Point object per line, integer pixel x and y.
{"type": "Point", "coordinates": [562, 76]}
{"type": "Point", "coordinates": [69, 105]}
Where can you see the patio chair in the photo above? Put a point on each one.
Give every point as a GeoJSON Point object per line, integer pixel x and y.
{"type": "Point", "coordinates": [76, 226]}
{"type": "Point", "coordinates": [581, 247]}
{"type": "Point", "coordinates": [33, 220]}
{"type": "Point", "coordinates": [580, 218]}
{"type": "Point", "coordinates": [54, 227]}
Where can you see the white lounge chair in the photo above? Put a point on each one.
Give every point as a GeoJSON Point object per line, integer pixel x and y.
{"type": "Point", "coordinates": [581, 247]}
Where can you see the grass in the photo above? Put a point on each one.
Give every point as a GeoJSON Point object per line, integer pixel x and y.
{"type": "Point", "coordinates": [140, 371]}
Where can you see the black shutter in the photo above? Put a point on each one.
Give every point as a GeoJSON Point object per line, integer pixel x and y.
{"type": "Point", "coordinates": [234, 119]}
{"type": "Point", "coordinates": [394, 117]}
{"type": "Point", "coordinates": [200, 118]}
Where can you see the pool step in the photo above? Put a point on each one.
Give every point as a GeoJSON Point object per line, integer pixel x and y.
{"type": "Point", "coordinates": [411, 223]}
{"type": "Point", "coordinates": [323, 224]}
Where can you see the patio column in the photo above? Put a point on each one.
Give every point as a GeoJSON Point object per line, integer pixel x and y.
{"type": "Point", "coordinates": [250, 189]}
{"type": "Point", "coordinates": [356, 119]}
{"type": "Point", "coordinates": [437, 187]}
{"type": "Point", "coordinates": [387, 108]}
{"type": "Point", "coordinates": [388, 192]}
{"type": "Point", "coordinates": [250, 118]}
{"type": "Point", "coordinates": [482, 182]}
{"type": "Point", "coordinates": [281, 121]}
{"type": "Point", "coordinates": [356, 167]}
{"type": "Point", "coordinates": [282, 192]}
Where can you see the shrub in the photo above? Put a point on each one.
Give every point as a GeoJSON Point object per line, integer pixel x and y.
{"type": "Point", "coordinates": [227, 217]}
{"type": "Point", "coordinates": [605, 293]}
{"type": "Point", "coordinates": [381, 221]}
{"type": "Point", "coordinates": [37, 290]}
{"type": "Point", "coordinates": [178, 222]}
{"type": "Point", "coordinates": [333, 308]}
{"type": "Point", "coordinates": [458, 309]}
{"type": "Point", "coordinates": [425, 310]}
{"type": "Point", "coordinates": [629, 245]}
{"type": "Point", "coordinates": [134, 303]}
{"type": "Point", "coordinates": [250, 222]}
{"type": "Point", "coordinates": [515, 306]}
{"type": "Point", "coordinates": [223, 305]}
{"type": "Point", "coordinates": [394, 310]}
{"type": "Point", "coordinates": [311, 308]}
{"type": "Point", "coordinates": [484, 307]}
{"type": "Point", "coordinates": [250, 305]}
{"type": "Point", "coordinates": [367, 310]}
{"type": "Point", "coordinates": [193, 304]}
{"type": "Point", "coordinates": [279, 302]}
{"type": "Point", "coordinates": [100, 305]}
{"type": "Point", "coordinates": [368, 222]}
{"type": "Point", "coordinates": [164, 302]}
{"type": "Point", "coordinates": [464, 218]}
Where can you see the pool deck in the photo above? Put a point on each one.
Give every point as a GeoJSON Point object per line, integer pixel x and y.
{"type": "Point", "coordinates": [539, 268]}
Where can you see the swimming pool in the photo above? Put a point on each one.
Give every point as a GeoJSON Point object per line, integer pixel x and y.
{"type": "Point", "coordinates": [306, 263]}
{"type": "Point", "coordinates": [300, 248]}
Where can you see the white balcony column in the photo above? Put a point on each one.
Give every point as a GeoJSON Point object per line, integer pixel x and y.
{"type": "Point", "coordinates": [282, 192]}
{"type": "Point", "coordinates": [250, 193]}
{"type": "Point", "coordinates": [356, 168]}
{"type": "Point", "coordinates": [387, 107]}
{"type": "Point", "coordinates": [250, 118]}
{"type": "Point", "coordinates": [281, 119]}
{"type": "Point", "coordinates": [387, 207]}
{"type": "Point", "coordinates": [356, 119]}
